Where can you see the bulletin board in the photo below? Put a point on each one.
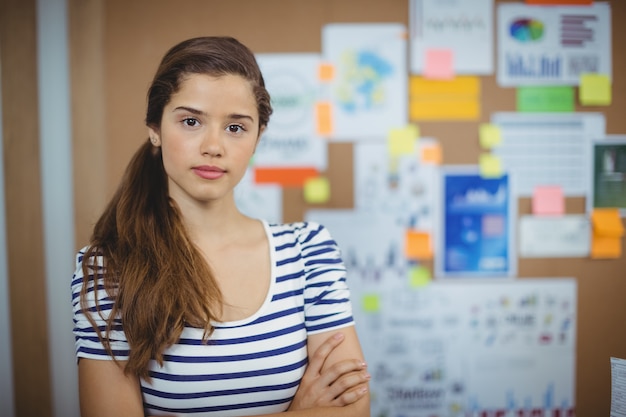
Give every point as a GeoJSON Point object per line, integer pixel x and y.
{"type": "Point", "coordinates": [132, 36]}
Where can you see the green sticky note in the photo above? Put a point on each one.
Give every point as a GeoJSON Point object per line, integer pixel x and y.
{"type": "Point", "coordinates": [401, 141]}
{"type": "Point", "coordinates": [545, 99]}
{"type": "Point", "coordinates": [594, 90]}
{"type": "Point", "coordinates": [371, 303]}
{"type": "Point", "coordinates": [490, 135]}
{"type": "Point", "coordinates": [419, 276]}
{"type": "Point", "coordinates": [316, 190]}
{"type": "Point", "coordinates": [490, 166]}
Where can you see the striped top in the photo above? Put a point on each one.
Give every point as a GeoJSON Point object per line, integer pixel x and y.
{"type": "Point", "coordinates": [252, 366]}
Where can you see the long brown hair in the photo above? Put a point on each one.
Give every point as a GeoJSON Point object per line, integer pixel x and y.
{"type": "Point", "coordinates": [158, 278]}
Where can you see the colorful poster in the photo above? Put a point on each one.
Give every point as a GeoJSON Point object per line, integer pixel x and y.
{"type": "Point", "coordinates": [461, 27]}
{"type": "Point", "coordinates": [552, 45]}
{"type": "Point", "coordinates": [290, 139]}
{"type": "Point", "coordinates": [609, 174]}
{"type": "Point", "coordinates": [476, 227]}
{"type": "Point", "coordinates": [368, 91]}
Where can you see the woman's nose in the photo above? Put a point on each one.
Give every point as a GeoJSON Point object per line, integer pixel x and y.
{"type": "Point", "coordinates": [212, 144]}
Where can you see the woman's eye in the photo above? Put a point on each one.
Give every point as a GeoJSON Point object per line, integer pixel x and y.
{"type": "Point", "coordinates": [190, 121]}
{"type": "Point", "coordinates": [235, 128]}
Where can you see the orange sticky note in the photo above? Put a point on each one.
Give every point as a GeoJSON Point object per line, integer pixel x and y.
{"type": "Point", "coordinates": [287, 177]}
{"type": "Point", "coordinates": [607, 222]}
{"type": "Point", "coordinates": [419, 276]}
{"type": "Point", "coordinates": [548, 200]}
{"type": "Point", "coordinates": [490, 166]}
{"type": "Point", "coordinates": [316, 190]}
{"type": "Point", "coordinates": [438, 64]}
{"type": "Point", "coordinates": [326, 72]}
{"type": "Point", "coordinates": [418, 245]}
{"type": "Point", "coordinates": [603, 247]}
{"type": "Point", "coordinates": [323, 113]}
{"type": "Point", "coordinates": [432, 154]}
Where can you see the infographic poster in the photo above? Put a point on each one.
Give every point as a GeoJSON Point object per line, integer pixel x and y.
{"type": "Point", "coordinates": [609, 174]}
{"type": "Point", "coordinates": [476, 226]}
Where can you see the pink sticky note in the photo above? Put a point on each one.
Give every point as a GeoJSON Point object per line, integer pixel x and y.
{"type": "Point", "coordinates": [438, 64]}
{"type": "Point", "coordinates": [548, 200]}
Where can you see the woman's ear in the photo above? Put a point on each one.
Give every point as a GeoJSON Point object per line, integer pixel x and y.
{"type": "Point", "coordinates": [155, 137]}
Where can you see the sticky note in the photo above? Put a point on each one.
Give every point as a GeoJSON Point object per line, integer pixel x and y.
{"type": "Point", "coordinates": [603, 247]}
{"type": "Point", "coordinates": [489, 135]}
{"type": "Point", "coordinates": [316, 190]}
{"type": "Point", "coordinates": [326, 72]}
{"type": "Point", "coordinates": [454, 99]}
{"type": "Point", "coordinates": [323, 115]}
{"type": "Point", "coordinates": [370, 303]}
{"type": "Point", "coordinates": [419, 276]}
{"type": "Point", "coordinates": [607, 222]}
{"type": "Point", "coordinates": [545, 99]}
{"type": "Point", "coordinates": [438, 64]}
{"type": "Point", "coordinates": [286, 177]}
{"type": "Point", "coordinates": [548, 200]}
{"type": "Point", "coordinates": [594, 90]}
{"type": "Point", "coordinates": [418, 245]}
{"type": "Point", "coordinates": [490, 166]}
{"type": "Point", "coordinates": [401, 141]}
{"type": "Point", "coordinates": [432, 154]}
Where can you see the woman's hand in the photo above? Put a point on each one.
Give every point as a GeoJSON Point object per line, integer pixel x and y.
{"type": "Point", "coordinates": [341, 384]}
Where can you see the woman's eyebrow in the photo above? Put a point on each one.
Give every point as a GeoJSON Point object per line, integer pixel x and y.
{"type": "Point", "coordinates": [190, 110]}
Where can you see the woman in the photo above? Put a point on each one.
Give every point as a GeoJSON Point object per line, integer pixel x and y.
{"type": "Point", "coordinates": [183, 305]}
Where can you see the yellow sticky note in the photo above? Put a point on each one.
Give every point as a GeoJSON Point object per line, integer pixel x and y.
{"type": "Point", "coordinates": [316, 190]}
{"type": "Point", "coordinates": [419, 276]}
{"type": "Point", "coordinates": [401, 141]}
{"type": "Point", "coordinates": [418, 245]}
{"type": "Point", "coordinates": [490, 135]}
{"type": "Point", "coordinates": [607, 222]}
{"type": "Point", "coordinates": [490, 166]}
{"type": "Point", "coordinates": [432, 154]}
{"type": "Point", "coordinates": [603, 247]}
{"type": "Point", "coordinates": [323, 114]}
{"type": "Point", "coordinates": [370, 303]}
{"type": "Point", "coordinates": [455, 99]}
{"type": "Point", "coordinates": [594, 90]}
{"type": "Point", "coordinates": [326, 72]}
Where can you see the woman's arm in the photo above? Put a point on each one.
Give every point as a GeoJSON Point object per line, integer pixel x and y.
{"type": "Point", "coordinates": [333, 383]}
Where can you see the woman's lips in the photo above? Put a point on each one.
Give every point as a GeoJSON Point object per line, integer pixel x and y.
{"type": "Point", "coordinates": [209, 172]}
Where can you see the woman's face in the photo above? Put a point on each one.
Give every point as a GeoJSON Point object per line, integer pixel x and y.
{"type": "Point", "coordinates": [209, 131]}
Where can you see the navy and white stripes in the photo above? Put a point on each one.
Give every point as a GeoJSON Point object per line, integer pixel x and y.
{"type": "Point", "coordinates": [252, 366]}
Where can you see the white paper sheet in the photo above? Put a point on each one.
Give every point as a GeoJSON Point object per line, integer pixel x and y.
{"type": "Point", "coordinates": [554, 236]}
{"type": "Point", "coordinates": [464, 27]}
{"type": "Point", "coordinates": [548, 149]}
{"type": "Point", "coordinates": [540, 45]}
{"type": "Point", "coordinates": [618, 387]}
{"type": "Point", "coordinates": [369, 92]}
{"type": "Point", "coordinates": [290, 139]}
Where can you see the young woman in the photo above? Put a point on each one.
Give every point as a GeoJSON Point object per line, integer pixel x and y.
{"type": "Point", "coordinates": [183, 305]}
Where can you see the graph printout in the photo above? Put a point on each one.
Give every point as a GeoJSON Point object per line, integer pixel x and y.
{"type": "Point", "coordinates": [463, 27]}
{"type": "Point", "coordinates": [368, 93]}
{"type": "Point", "coordinates": [542, 149]}
{"type": "Point", "coordinates": [552, 45]}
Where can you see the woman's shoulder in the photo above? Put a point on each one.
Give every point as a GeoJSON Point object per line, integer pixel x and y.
{"type": "Point", "coordinates": [302, 231]}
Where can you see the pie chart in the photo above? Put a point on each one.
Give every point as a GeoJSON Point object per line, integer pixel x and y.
{"type": "Point", "coordinates": [526, 30]}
